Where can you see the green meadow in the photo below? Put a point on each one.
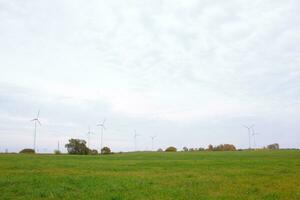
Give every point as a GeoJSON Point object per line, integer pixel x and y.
{"type": "Point", "coordinates": [203, 175]}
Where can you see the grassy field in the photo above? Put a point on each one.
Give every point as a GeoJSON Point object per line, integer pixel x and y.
{"type": "Point", "coordinates": [158, 176]}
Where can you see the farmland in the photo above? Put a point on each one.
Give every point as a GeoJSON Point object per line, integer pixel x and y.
{"type": "Point", "coordinates": [205, 175]}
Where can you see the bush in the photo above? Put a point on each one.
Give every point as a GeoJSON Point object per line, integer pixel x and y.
{"type": "Point", "coordinates": [77, 146]}
{"type": "Point", "coordinates": [222, 147]}
{"type": "Point", "coordinates": [273, 146]}
{"type": "Point", "coordinates": [171, 149]}
{"type": "Point", "coordinates": [29, 151]}
{"type": "Point", "coordinates": [57, 152]}
{"type": "Point", "coordinates": [105, 150]}
{"type": "Point", "coordinates": [93, 152]}
{"type": "Point", "coordinates": [225, 147]}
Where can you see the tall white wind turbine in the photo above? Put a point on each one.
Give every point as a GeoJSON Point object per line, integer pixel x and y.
{"type": "Point", "coordinates": [89, 136]}
{"type": "Point", "coordinates": [253, 135]}
{"type": "Point", "coordinates": [135, 140]}
{"type": "Point", "coordinates": [152, 140]}
{"type": "Point", "coordinates": [36, 120]}
{"type": "Point", "coordinates": [102, 131]}
{"type": "Point", "coordinates": [249, 133]}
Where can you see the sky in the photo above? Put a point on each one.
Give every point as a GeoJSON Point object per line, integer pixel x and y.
{"type": "Point", "coordinates": [191, 73]}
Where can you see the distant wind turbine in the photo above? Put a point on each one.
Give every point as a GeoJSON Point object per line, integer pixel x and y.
{"type": "Point", "coordinates": [89, 135]}
{"type": "Point", "coordinates": [36, 120]}
{"type": "Point", "coordinates": [152, 139]}
{"type": "Point", "coordinates": [102, 131]}
{"type": "Point", "coordinates": [135, 140]}
{"type": "Point", "coordinates": [58, 146]}
{"type": "Point", "coordinates": [254, 134]}
{"type": "Point", "coordinates": [249, 133]}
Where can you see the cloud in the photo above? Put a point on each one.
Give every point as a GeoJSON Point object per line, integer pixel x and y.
{"type": "Point", "coordinates": [164, 61]}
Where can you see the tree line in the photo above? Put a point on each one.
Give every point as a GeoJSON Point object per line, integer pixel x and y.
{"type": "Point", "coordinates": [79, 147]}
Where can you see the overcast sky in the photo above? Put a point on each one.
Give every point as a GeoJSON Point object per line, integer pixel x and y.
{"type": "Point", "coordinates": [189, 72]}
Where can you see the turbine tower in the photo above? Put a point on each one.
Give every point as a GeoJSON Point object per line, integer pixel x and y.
{"type": "Point", "coordinates": [89, 135]}
{"type": "Point", "coordinates": [152, 139]}
{"type": "Point", "coordinates": [102, 131]}
{"type": "Point", "coordinates": [36, 120]}
{"type": "Point", "coordinates": [135, 140]}
{"type": "Point", "coordinates": [254, 134]}
{"type": "Point", "coordinates": [58, 146]}
{"type": "Point", "coordinates": [249, 133]}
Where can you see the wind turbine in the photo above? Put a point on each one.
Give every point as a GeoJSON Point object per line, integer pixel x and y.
{"type": "Point", "coordinates": [102, 131]}
{"type": "Point", "coordinates": [135, 141]}
{"type": "Point", "coordinates": [249, 133]}
{"type": "Point", "coordinates": [152, 138]}
{"type": "Point", "coordinates": [89, 135]}
{"type": "Point", "coordinates": [254, 134]}
{"type": "Point", "coordinates": [58, 146]}
{"type": "Point", "coordinates": [36, 120]}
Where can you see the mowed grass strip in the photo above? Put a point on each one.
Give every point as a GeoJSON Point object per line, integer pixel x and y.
{"type": "Point", "coordinates": [268, 175]}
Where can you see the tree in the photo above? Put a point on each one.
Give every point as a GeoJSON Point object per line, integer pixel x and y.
{"type": "Point", "coordinates": [57, 152]}
{"type": "Point", "coordinates": [185, 149]}
{"type": "Point", "coordinates": [27, 151]}
{"type": "Point", "coordinates": [160, 150]}
{"type": "Point", "coordinates": [105, 150]}
{"type": "Point", "coordinates": [228, 147]}
{"type": "Point", "coordinates": [274, 146]}
{"type": "Point", "coordinates": [171, 149]}
{"type": "Point", "coordinates": [224, 147]}
{"type": "Point", "coordinates": [93, 152]}
{"type": "Point", "coordinates": [77, 146]}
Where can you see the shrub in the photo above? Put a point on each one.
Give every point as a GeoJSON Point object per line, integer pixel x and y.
{"type": "Point", "coordinates": [171, 149]}
{"type": "Point", "coordinates": [225, 147]}
{"type": "Point", "coordinates": [105, 150]}
{"type": "Point", "coordinates": [57, 152]}
{"type": "Point", "coordinates": [93, 152]}
{"type": "Point", "coordinates": [222, 147]}
{"type": "Point", "coordinates": [77, 146]}
{"type": "Point", "coordinates": [29, 151]}
{"type": "Point", "coordinates": [274, 146]}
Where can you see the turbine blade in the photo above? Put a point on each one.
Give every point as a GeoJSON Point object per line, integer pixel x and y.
{"type": "Point", "coordinates": [39, 122]}
{"type": "Point", "coordinates": [38, 114]}
{"type": "Point", "coordinates": [104, 121]}
{"type": "Point", "coordinates": [246, 126]}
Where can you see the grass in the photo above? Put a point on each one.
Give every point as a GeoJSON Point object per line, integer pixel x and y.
{"type": "Point", "coordinates": [267, 175]}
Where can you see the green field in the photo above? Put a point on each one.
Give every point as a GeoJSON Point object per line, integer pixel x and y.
{"type": "Point", "coordinates": [158, 176]}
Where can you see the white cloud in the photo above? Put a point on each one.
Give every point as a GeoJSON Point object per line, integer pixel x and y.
{"type": "Point", "coordinates": [170, 61]}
